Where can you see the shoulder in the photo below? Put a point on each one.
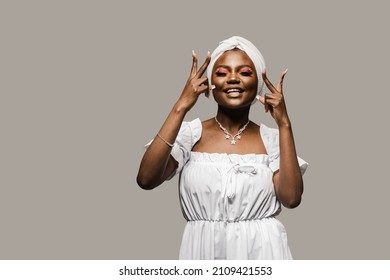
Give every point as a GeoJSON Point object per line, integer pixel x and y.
{"type": "Point", "coordinates": [194, 124]}
{"type": "Point", "coordinates": [207, 124]}
{"type": "Point", "coordinates": [268, 131]}
{"type": "Point", "coordinates": [190, 131]}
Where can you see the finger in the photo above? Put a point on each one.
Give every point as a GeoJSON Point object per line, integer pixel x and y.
{"type": "Point", "coordinates": [272, 103]}
{"type": "Point", "coordinates": [207, 91]}
{"type": "Point", "coordinates": [198, 84]}
{"type": "Point", "coordinates": [194, 64]}
{"type": "Point", "coordinates": [268, 83]}
{"type": "Point", "coordinates": [274, 98]}
{"type": "Point", "coordinates": [204, 66]}
{"type": "Point", "coordinates": [201, 81]}
{"type": "Point", "coordinates": [279, 87]}
{"type": "Point", "coordinates": [265, 103]}
{"type": "Point", "coordinates": [207, 94]}
{"type": "Point", "coordinates": [261, 99]}
{"type": "Point", "coordinates": [202, 89]}
{"type": "Point", "coordinates": [271, 96]}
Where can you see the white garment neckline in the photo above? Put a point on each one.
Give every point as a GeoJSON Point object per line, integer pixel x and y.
{"type": "Point", "coordinates": [233, 154]}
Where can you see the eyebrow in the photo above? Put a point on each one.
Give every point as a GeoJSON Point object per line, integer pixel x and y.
{"type": "Point", "coordinates": [240, 66]}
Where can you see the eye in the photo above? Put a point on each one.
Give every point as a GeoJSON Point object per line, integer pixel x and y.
{"type": "Point", "coordinates": [246, 71]}
{"type": "Point", "coordinates": [221, 72]}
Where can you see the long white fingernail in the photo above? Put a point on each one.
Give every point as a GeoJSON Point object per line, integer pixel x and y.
{"type": "Point", "coordinates": [212, 87]}
{"type": "Point", "coordinates": [285, 71]}
{"type": "Point", "coordinates": [258, 97]}
{"type": "Point", "coordinates": [193, 53]}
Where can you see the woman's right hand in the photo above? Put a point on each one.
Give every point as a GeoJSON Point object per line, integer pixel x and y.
{"type": "Point", "coordinates": [196, 84]}
{"type": "Point", "coordinates": [157, 164]}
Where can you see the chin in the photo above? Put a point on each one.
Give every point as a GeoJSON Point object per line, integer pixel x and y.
{"type": "Point", "coordinates": [232, 104]}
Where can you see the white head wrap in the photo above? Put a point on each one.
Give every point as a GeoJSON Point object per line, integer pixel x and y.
{"type": "Point", "coordinates": [246, 46]}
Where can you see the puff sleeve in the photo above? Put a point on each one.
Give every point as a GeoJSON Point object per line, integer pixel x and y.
{"type": "Point", "coordinates": [188, 135]}
{"type": "Point", "coordinates": [270, 138]}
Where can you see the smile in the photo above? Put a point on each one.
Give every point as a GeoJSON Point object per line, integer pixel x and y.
{"type": "Point", "coordinates": [234, 90]}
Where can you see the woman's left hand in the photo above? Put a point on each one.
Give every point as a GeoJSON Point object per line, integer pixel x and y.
{"type": "Point", "coordinates": [274, 101]}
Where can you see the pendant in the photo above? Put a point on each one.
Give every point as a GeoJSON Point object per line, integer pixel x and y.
{"type": "Point", "coordinates": [228, 135]}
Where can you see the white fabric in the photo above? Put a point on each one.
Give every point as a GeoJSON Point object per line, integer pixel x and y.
{"type": "Point", "coordinates": [229, 200]}
{"type": "Point", "coordinates": [249, 48]}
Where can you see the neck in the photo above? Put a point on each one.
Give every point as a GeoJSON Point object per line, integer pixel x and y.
{"type": "Point", "coordinates": [233, 120]}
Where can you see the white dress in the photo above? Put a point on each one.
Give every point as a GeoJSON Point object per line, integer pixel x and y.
{"type": "Point", "coordinates": [229, 200]}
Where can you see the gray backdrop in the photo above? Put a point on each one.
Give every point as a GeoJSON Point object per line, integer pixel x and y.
{"type": "Point", "coordinates": [85, 84]}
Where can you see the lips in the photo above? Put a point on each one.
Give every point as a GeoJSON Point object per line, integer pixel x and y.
{"type": "Point", "coordinates": [234, 90]}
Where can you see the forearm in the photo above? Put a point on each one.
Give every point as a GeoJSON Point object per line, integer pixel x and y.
{"type": "Point", "coordinates": [289, 186]}
{"type": "Point", "coordinates": [155, 166]}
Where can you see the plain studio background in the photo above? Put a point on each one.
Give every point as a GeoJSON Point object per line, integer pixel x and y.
{"type": "Point", "coordinates": [85, 84]}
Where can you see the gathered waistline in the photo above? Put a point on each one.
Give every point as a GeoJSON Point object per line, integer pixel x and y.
{"type": "Point", "coordinates": [231, 221]}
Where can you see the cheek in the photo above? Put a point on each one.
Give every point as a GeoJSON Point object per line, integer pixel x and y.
{"type": "Point", "coordinates": [215, 80]}
{"type": "Point", "coordinates": [252, 84]}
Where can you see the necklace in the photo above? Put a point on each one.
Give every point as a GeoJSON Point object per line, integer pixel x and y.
{"type": "Point", "coordinates": [228, 135]}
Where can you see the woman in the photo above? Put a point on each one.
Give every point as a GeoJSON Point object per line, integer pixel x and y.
{"type": "Point", "coordinates": [234, 174]}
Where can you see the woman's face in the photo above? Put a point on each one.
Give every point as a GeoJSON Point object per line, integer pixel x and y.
{"type": "Point", "coordinates": [235, 79]}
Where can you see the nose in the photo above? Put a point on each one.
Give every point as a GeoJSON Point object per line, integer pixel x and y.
{"type": "Point", "coordinates": [233, 79]}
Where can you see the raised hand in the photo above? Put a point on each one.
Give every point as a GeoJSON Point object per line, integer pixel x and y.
{"type": "Point", "coordinates": [274, 101]}
{"type": "Point", "coordinates": [196, 84]}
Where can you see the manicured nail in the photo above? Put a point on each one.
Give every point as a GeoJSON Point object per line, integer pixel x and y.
{"type": "Point", "coordinates": [285, 71]}
{"type": "Point", "coordinates": [258, 97]}
{"type": "Point", "coordinates": [193, 53]}
{"type": "Point", "coordinates": [208, 53]}
{"type": "Point", "coordinates": [212, 87]}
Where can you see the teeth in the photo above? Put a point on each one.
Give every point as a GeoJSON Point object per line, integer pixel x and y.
{"type": "Point", "coordinates": [233, 90]}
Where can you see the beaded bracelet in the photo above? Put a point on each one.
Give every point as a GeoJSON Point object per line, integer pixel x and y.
{"type": "Point", "coordinates": [166, 142]}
